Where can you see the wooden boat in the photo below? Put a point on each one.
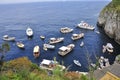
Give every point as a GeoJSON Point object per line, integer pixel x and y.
{"type": "Point", "coordinates": [77, 62]}
{"type": "Point", "coordinates": [66, 30]}
{"type": "Point", "coordinates": [20, 45]}
{"type": "Point", "coordinates": [36, 51]}
{"type": "Point", "coordinates": [65, 49]}
{"type": "Point", "coordinates": [50, 65]}
{"type": "Point", "coordinates": [82, 44]}
{"type": "Point", "coordinates": [42, 37]}
{"type": "Point", "coordinates": [7, 38]}
{"type": "Point", "coordinates": [29, 32]}
{"type": "Point", "coordinates": [85, 25]}
{"type": "Point", "coordinates": [55, 40]}
{"type": "Point", "coordinates": [77, 36]}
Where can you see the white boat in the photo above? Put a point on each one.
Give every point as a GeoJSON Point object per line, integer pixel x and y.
{"type": "Point", "coordinates": [8, 38]}
{"type": "Point", "coordinates": [108, 48]}
{"type": "Point", "coordinates": [36, 51]}
{"type": "Point", "coordinates": [29, 32]}
{"type": "Point", "coordinates": [85, 25]}
{"type": "Point", "coordinates": [48, 46]}
{"type": "Point", "coordinates": [77, 62]}
{"type": "Point", "coordinates": [93, 65]}
{"type": "Point", "coordinates": [82, 44]}
{"type": "Point", "coordinates": [42, 37]}
{"type": "Point", "coordinates": [55, 40]}
{"type": "Point", "coordinates": [65, 49]}
{"type": "Point", "coordinates": [66, 30]}
{"type": "Point", "coordinates": [20, 45]}
{"type": "Point", "coordinates": [97, 32]}
{"type": "Point", "coordinates": [77, 36]}
{"type": "Point", "coordinates": [50, 65]}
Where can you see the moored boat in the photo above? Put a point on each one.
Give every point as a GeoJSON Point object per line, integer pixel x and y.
{"type": "Point", "coordinates": [65, 49]}
{"type": "Point", "coordinates": [85, 25]}
{"type": "Point", "coordinates": [29, 32]}
{"type": "Point", "coordinates": [56, 40]}
{"type": "Point", "coordinates": [36, 51]}
{"type": "Point", "coordinates": [20, 45]}
{"type": "Point", "coordinates": [82, 44]}
{"type": "Point", "coordinates": [66, 30]}
{"type": "Point", "coordinates": [8, 38]}
{"type": "Point", "coordinates": [77, 36]}
{"type": "Point", "coordinates": [108, 47]}
{"type": "Point", "coordinates": [49, 46]}
{"type": "Point", "coordinates": [42, 37]}
{"type": "Point", "coordinates": [77, 62]}
{"type": "Point", "coordinates": [50, 65]}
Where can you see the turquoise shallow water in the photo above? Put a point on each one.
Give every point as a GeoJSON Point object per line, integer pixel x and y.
{"type": "Point", "coordinates": [47, 18]}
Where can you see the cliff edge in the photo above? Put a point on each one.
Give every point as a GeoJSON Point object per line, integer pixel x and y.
{"type": "Point", "coordinates": [109, 19]}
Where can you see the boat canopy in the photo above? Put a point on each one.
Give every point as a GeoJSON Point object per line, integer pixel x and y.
{"type": "Point", "coordinates": [52, 38]}
{"type": "Point", "coordinates": [46, 62]}
{"type": "Point", "coordinates": [36, 49]}
{"type": "Point", "coordinates": [5, 36]}
{"type": "Point", "coordinates": [109, 45]}
{"type": "Point", "coordinates": [63, 48]}
{"type": "Point", "coordinates": [75, 34]}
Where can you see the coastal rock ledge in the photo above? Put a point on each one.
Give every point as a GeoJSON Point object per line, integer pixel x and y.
{"type": "Point", "coordinates": [109, 20]}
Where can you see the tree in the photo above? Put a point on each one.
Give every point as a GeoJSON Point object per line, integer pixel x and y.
{"type": "Point", "coordinates": [4, 48]}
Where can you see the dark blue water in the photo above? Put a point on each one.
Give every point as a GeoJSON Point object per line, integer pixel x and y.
{"type": "Point", "coordinates": [47, 18]}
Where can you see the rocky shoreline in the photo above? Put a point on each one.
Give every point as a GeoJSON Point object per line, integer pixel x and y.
{"type": "Point", "coordinates": [109, 20]}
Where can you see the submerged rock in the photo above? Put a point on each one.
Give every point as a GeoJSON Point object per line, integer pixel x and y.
{"type": "Point", "coordinates": [109, 19]}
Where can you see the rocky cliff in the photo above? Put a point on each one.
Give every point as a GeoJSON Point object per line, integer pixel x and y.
{"type": "Point", "coordinates": [109, 19]}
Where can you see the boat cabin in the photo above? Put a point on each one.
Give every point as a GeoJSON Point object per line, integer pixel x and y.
{"type": "Point", "coordinates": [64, 49]}
{"type": "Point", "coordinates": [75, 35]}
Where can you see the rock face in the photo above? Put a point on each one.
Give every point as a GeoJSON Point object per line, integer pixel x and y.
{"type": "Point", "coordinates": [109, 19]}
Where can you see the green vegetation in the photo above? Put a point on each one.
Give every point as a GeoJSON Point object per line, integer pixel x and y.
{"type": "Point", "coordinates": [24, 69]}
{"type": "Point", "coordinates": [4, 48]}
{"type": "Point", "coordinates": [112, 6]}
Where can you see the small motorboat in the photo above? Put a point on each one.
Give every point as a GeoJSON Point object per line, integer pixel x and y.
{"type": "Point", "coordinates": [29, 32]}
{"type": "Point", "coordinates": [42, 37]}
{"type": "Point", "coordinates": [77, 62]}
{"type": "Point", "coordinates": [66, 30]}
{"type": "Point", "coordinates": [51, 65]}
{"type": "Point", "coordinates": [20, 45]}
{"type": "Point", "coordinates": [7, 38]}
{"type": "Point", "coordinates": [97, 32]}
{"type": "Point", "coordinates": [93, 65]}
{"type": "Point", "coordinates": [77, 36]}
{"type": "Point", "coordinates": [65, 49]}
{"type": "Point", "coordinates": [82, 44]}
{"type": "Point", "coordinates": [108, 48]}
{"type": "Point", "coordinates": [48, 46]}
{"type": "Point", "coordinates": [56, 40]}
{"type": "Point", "coordinates": [36, 51]}
{"type": "Point", "coordinates": [85, 25]}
